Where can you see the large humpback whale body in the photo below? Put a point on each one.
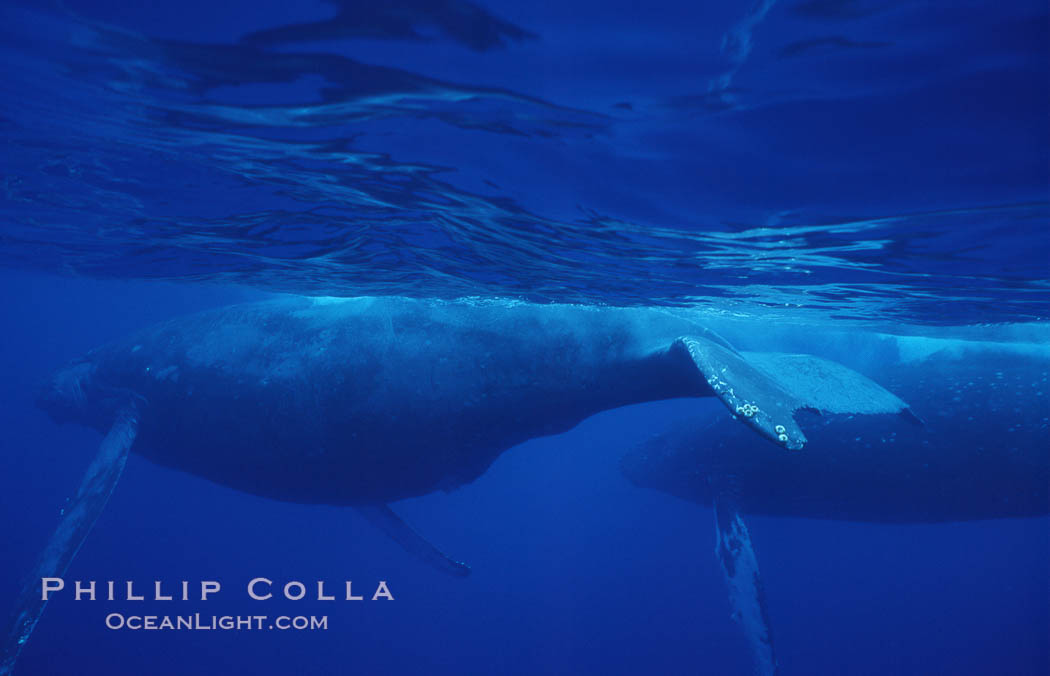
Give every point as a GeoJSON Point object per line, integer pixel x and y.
{"type": "Point", "coordinates": [364, 401]}
{"type": "Point", "coordinates": [981, 452]}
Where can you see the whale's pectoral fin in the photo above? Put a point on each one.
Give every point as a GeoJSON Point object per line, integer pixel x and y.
{"type": "Point", "coordinates": [749, 393]}
{"type": "Point", "coordinates": [386, 520]}
{"type": "Point", "coordinates": [78, 518]}
{"type": "Point", "coordinates": [746, 593]}
{"type": "Point", "coordinates": [766, 389]}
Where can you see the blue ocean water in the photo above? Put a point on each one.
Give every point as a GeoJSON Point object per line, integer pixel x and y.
{"type": "Point", "coordinates": [815, 164]}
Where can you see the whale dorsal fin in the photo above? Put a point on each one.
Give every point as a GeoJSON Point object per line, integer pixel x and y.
{"type": "Point", "coordinates": [386, 520]}
{"type": "Point", "coordinates": [766, 389]}
{"type": "Point", "coordinates": [77, 519]}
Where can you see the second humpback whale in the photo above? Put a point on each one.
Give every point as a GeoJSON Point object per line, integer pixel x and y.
{"type": "Point", "coordinates": [364, 401]}
{"type": "Point", "coordinates": [981, 452]}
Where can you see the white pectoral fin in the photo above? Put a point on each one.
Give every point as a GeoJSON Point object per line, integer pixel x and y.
{"type": "Point", "coordinates": [77, 519]}
{"type": "Point", "coordinates": [766, 389]}
{"type": "Point", "coordinates": [744, 583]}
{"type": "Point", "coordinates": [386, 520]}
{"type": "Point", "coordinates": [748, 392]}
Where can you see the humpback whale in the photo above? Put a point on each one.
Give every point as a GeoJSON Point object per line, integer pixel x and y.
{"type": "Point", "coordinates": [364, 401]}
{"type": "Point", "coordinates": [979, 451]}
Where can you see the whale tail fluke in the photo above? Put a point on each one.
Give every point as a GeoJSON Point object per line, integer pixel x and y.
{"type": "Point", "coordinates": [77, 519]}
{"type": "Point", "coordinates": [386, 520]}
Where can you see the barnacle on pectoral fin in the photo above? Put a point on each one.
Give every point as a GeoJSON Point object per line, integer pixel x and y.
{"type": "Point", "coordinates": [785, 433]}
{"type": "Point", "coordinates": [747, 410]}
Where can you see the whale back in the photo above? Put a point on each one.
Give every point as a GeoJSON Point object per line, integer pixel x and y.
{"type": "Point", "coordinates": [979, 452]}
